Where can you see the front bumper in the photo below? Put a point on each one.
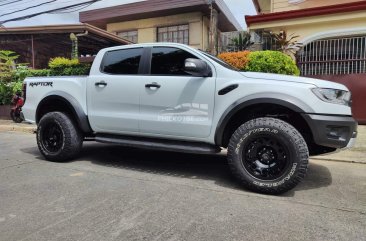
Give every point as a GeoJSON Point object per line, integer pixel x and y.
{"type": "Point", "coordinates": [332, 131]}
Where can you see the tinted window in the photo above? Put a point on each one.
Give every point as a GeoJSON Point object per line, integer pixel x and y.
{"type": "Point", "coordinates": [124, 61]}
{"type": "Point", "coordinates": [169, 61]}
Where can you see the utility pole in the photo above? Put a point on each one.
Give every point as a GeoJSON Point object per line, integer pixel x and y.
{"type": "Point", "coordinates": [74, 46]}
{"type": "Point", "coordinates": [213, 28]}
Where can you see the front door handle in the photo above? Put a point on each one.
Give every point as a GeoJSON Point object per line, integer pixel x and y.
{"type": "Point", "coordinates": [152, 85]}
{"type": "Point", "coordinates": [101, 84]}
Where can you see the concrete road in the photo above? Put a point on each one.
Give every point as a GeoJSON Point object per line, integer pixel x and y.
{"type": "Point", "coordinates": [114, 193]}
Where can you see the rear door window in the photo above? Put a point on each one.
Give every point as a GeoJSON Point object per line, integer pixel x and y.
{"type": "Point", "coordinates": [122, 62]}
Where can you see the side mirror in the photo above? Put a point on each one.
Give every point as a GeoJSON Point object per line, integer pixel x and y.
{"type": "Point", "coordinates": [197, 68]}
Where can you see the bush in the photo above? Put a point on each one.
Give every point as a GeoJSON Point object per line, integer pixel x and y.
{"type": "Point", "coordinates": [61, 62]}
{"type": "Point", "coordinates": [272, 62]}
{"type": "Point", "coordinates": [62, 66]}
{"type": "Point", "coordinates": [7, 90]}
{"type": "Point", "coordinates": [262, 61]}
{"type": "Point", "coordinates": [237, 59]}
{"type": "Point", "coordinates": [6, 77]}
{"type": "Point", "coordinates": [82, 69]}
{"type": "Point", "coordinates": [11, 80]}
{"type": "Point", "coordinates": [39, 72]}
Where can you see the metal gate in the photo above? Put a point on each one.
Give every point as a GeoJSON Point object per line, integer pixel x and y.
{"type": "Point", "coordinates": [336, 56]}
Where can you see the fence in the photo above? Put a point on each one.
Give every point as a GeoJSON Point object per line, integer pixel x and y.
{"type": "Point", "coordinates": [334, 57]}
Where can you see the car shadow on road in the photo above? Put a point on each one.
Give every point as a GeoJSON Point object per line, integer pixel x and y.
{"type": "Point", "coordinates": [182, 165]}
{"type": "Point", "coordinates": [318, 176]}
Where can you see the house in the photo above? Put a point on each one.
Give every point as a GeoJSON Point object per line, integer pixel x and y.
{"type": "Point", "coordinates": [37, 44]}
{"type": "Point", "coordinates": [197, 23]}
{"type": "Point", "coordinates": [333, 34]}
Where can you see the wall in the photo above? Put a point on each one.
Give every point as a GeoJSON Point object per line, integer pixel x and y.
{"type": "Point", "coordinates": [147, 27]}
{"type": "Point", "coordinates": [266, 5]}
{"type": "Point", "coordinates": [312, 26]}
{"type": "Point", "coordinates": [284, 5]}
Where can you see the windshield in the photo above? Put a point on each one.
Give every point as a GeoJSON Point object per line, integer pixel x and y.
{"type": "Point", "coordinates": [219, 61]}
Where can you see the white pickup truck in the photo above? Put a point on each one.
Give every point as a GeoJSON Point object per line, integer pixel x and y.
{"type": "Point", "coordinates": [172, 97]}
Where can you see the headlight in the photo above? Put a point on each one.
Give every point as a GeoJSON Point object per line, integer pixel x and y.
{"type": "Point", "coordinates": [334, 96]}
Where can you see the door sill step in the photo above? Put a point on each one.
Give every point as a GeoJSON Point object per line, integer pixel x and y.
{"type": "Point", "coordinates": [158, 144]}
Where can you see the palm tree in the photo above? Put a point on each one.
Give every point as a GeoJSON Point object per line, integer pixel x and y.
{"type": "Point", "coordinates": [242, 42]}
{"type": "Point", "coordinates": [286, 44]}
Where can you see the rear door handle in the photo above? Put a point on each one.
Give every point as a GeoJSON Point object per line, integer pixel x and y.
{"type": "Point", "coordinates": [152, 85]}
{"type": "Point", "coordinates": [101, 84]}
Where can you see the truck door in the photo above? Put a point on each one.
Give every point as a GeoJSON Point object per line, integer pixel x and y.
{"type": "Point", "coordinates": [174, 103]}
{"type": "Point", "coordinates": [113, 94]}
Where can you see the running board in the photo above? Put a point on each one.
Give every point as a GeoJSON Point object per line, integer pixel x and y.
{"type": "Point", "coordinates": [158, 144]}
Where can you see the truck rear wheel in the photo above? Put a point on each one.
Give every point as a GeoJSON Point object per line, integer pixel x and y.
{"type": "Point", "coordinates": [268, 155]}
{"type": "Point", "coordinates": [58, 138]}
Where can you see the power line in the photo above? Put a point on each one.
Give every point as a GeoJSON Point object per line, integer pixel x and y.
{"type": "Point", "coordinates": [27, 8]}
{"type": "Point", "coordinates": [10, 2]}
{"type": "Point", "coordinates": [48, 11]}
{"type": "Point", "coordinates": [72, 10]}
{"type": "Point", "coordinates": [16, 6]}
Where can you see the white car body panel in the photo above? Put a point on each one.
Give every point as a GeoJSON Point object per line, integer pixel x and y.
{"type": "Point", "coordinates": [137, 116]}
{"type": "Point", "coordinates": [72, 85]}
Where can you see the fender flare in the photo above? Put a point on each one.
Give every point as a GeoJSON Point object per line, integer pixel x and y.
{"type": "Point", "coordinates": [73, 105]}
{"type": "Point", "coordinates": [289, 102]}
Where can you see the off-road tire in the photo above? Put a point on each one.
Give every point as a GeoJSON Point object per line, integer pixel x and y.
{"type": "Point", "coordinates": [280, 131]}
{"type": "Point", "coordinates": [70, 141]}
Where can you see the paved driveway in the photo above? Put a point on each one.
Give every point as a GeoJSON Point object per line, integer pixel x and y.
{"type": "Point", "coordinates": [114, 193]}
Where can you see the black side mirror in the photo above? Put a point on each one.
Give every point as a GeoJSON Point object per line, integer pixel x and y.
{"type": "Point", "coordinates": [197, 68]}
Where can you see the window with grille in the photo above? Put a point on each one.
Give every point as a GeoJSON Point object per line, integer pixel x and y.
{"type": "Point", "coordinates": [334, 56]}
{"type": "Point", "coordinates": [129, 35]}
{"type": "Point", "coordinates": [175, 34]}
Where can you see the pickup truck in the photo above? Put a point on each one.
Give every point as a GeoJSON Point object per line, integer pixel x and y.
{"type": "Point", "coordinates": [167, 96]}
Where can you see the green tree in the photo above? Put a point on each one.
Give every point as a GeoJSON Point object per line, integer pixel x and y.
{"type": "Point", "coordinates": [7, 60]}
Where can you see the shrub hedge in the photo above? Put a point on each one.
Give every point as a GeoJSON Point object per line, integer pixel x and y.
{"type": "Point", "coordinates": [61, 62]}
{"type": "Point", "coordinates": [11, 82]}
{"type": "Point", "coordinates": [237, 59]}
{"type": "Point", "coordinates": [262, 61]}
{"type": "Point", "coordinates": [272, 62]}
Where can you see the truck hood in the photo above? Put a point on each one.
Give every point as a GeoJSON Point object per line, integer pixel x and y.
{"type": "Point", "coordinates": [288, 78]}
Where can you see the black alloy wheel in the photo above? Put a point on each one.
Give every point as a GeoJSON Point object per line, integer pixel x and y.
{"type": "Point", "coordinates": [265, 157]}
{"type": "Point", "coordinates": [52, 137]}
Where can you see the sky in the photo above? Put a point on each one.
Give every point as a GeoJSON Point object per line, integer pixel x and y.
{"type": "Point", "coordinates": [239, 9]}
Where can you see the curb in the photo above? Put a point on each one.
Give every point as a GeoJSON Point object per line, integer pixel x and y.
{"type": "Point", "coordinates": [338, 160]}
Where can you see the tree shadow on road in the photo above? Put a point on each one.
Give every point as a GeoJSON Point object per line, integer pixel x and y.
{"type": "Point", "coordinates": [192, 166]}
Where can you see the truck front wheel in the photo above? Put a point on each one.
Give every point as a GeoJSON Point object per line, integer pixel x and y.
{"type": "Point", "coordinates": [268, 155]}
{"type": "Point", "coordinates": [58, 138]}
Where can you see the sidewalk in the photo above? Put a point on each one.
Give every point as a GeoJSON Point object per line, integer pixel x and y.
{"type": "Point", "coordinates": [354, 155]}
{"type": "Point", "coordinates": [9, 125]}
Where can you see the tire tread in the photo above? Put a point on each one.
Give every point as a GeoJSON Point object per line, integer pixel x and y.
{"type": "Point", "coordinates": [72, 136]}
{"type": "Point", "coordinates": [298, 140]}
